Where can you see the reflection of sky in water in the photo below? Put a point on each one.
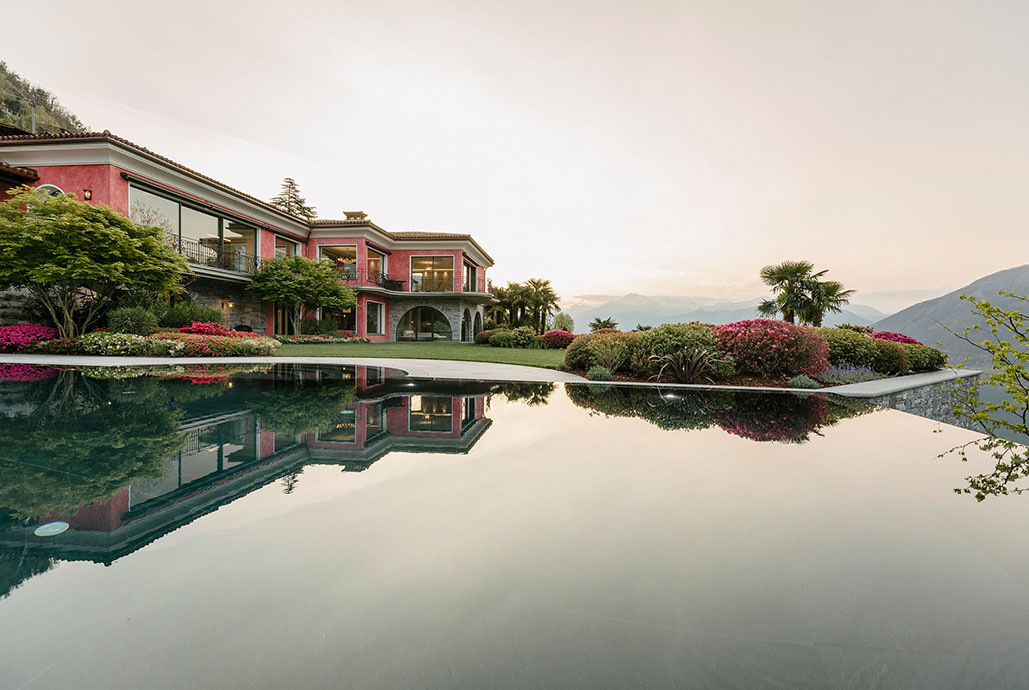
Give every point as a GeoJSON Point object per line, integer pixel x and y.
{"type": "Point", "coordinates": [565, 550]}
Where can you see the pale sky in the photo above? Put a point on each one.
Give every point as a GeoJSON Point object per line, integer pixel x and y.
{"type": "Point", "coordinates": [654, 147]}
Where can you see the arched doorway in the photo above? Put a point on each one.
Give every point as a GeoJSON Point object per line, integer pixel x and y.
{"type": "Point", "coordinates": [478, 324]}
{"type": "Point", "coordinates": [425, 324]}
{"type": "Point", "coordinates": [466, 326]}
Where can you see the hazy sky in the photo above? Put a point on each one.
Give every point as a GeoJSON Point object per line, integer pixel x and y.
{"type": "Point", "coordinates": [654, 147]}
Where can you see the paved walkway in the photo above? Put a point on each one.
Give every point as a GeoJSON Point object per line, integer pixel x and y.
{"type": "Point", "coordinates": [417, 368]}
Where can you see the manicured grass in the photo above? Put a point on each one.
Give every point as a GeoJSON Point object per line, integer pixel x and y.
{"type": "Point", "coordinates": [548, 359]}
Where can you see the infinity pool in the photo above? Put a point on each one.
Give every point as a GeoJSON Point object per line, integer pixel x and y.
{"type": "Point", "coordinates": [335, 527]}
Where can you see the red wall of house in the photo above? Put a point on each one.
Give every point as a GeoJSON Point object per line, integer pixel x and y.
{"type": "Point", "coordinates": [104, 181]}
{"type": "Point", "coordinates": [362, 321]}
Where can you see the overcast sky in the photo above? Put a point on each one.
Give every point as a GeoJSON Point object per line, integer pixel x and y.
{"type": "Point", "coordinates": [656, 147]}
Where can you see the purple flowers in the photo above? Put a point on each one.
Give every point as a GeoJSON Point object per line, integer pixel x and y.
{"type": "Point", "coordinates": [895, 337]}
{"type": "Point", "coordinates": [15, 338]}
{"type": "Point", "coordinates": [839, 374]}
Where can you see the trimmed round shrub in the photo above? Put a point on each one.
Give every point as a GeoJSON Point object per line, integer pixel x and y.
{"type": "Point", "coordinates": [482, 337]}
{"type": "Point", "coordinates": [671, 338]}
{"type": "Point", "coordinates": [773, 348]}
{"type": "Point", "coordinates": [582, 353]}
{"type": "Point", "coordinates": [598, 373]}
{"type": "Point", "coordinates": [802, 381]}
{"type": "Point", "coordinates": [208, 328]}
{"type": "Point", "coordinates": [557, 339]}
{"type": "Point", "coordinates": [925, 358]}
{"type": "Point", "coordinates": [895, 337]}
{"type": "Point", "coordinates": [523, 337]}
{"type": "Point", "coordinates": [184, 313]}
{"type": "Point", "coordinates": [16, 338]}
{"type": "Point", "coordinates": [890, 357]}
{"type": "Point", "coordinates": [501, 337]}
{"type": "Point", "coordinates": [135, 320]}
{"type": "Point", "coordinates": [847, 346]}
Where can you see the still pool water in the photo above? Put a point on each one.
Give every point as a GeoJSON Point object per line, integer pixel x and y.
{"type": "Point", "coordinates": [333, 527]}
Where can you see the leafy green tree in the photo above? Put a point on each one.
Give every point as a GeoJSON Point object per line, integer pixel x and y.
{"type": "Point", "coordinates": [1003, 335]}
{"type": "Point", "coordinates": [290, 201]}
{"type": "Point", "coordinates": [599, 324]}
{"type": "Point", "coordinates": [75, 258]}
{"type": "Point", "coordinates": [297, 282]}
{"type": "Point", "coordinates": [563, 322]}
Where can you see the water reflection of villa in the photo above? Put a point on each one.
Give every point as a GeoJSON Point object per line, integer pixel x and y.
{"type": "Point", "coordinates": [232, 452]}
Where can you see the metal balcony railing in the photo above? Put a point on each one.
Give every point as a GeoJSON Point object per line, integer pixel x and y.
{"type": "Point", "coordinates": [202, 254]}
{"type": "Point", "coordinates": [363, 276]}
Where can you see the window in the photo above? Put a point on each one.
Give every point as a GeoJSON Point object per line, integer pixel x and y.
{"type": "Point", "coordinates": [238, 242]}
{"type": "Point", "coordinates": [376, 266]}
{"type": "Point", "coordinates": [149, 209]}
{"type": "Point", "coordinates": [199, 227]}
{"type": "Point", "coordinates": [284, 248]}
{"type": "Point", "coordinates": [374, 421]}
{"type": "Point", "coordinates": [432, 274]}
{"type": "Point", "coordinates": [373, 376]}
{"type": "Point", "coordinates": [424, 323]}
{"type": "Point", "coordinates": [344, 258]}
{"type": "Point", "coordinates": [374, 318]}
{"type": "Point", "coordinates": [431, 413]}
{"type": "Point", "coordinates": [469, 278]}
{"type": "Point", "coordinates": [51, 189]}
{"type": "Point", "coordinates": [342, 430]}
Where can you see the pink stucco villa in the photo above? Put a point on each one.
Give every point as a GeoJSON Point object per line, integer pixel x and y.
{"type": "Point", "coordinates": [410, 286]}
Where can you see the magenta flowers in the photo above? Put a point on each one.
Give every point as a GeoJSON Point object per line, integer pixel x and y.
{"type": "Point", "coordinates": [895, 337]}
{"type": "Point", "coordinates": [15, 338]}
{"type": "Point", "coordinates": [773, 348]}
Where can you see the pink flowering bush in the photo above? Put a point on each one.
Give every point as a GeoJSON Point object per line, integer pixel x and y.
{"type": "Point", "coordinates": [774, 417]}
{"type": "Point", "coordinates": [895, 337]}
{"type": "Point", "coordinates": [16, 338]}
{"type": "Point", "coordinates": [558, 339]}
{"type": "Point", "coordinates": [764, 347]}
{"type": "Point", "coordinates": [197, 345]}
{"type": "Point", "coordinates": [214, 328]}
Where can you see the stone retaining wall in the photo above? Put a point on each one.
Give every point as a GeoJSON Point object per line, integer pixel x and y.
{"type": "Point", "coordinates": [934, 401]}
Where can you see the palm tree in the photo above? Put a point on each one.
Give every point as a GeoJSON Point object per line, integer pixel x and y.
{"type": "Point", "coordinates": [824, 296]}
{"type": "Point", "coordinates": [542, 300]}
{"type": "Point", "coordinates": [599, 324]}
{"type": "Point", "coordinates": [496, 313]}
{"type": "Point", "coordinates": [789, 281]}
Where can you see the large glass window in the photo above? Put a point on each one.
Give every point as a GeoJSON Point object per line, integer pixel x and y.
{"type": "Point", "coordinates": [240, 242]}
{"type": "Point", "coordinates": [284, 248]}
{"type": "Point", "coordinates": [374, 318]}
{"type": "Point", "coordinates": [149, 209]}
{"type": "Point", "coordinates": [342, 430]}
{"type": "Point", "coordinates": [431, 413]}
{"type": "Point", "coordinates": [344, 258]}
{"type": "Point", "coordinates": [376, 266]}
{"type": "Point", "coordinates": [200, 227]}
{"type": "Point", "coordinates": [374, 421]}
{"type": "Point", "coordinates": [432, 274]}
{"type": "Point", "coordinates": [424, 323]}
{"type": "Point", "coordinates": [469, 278]}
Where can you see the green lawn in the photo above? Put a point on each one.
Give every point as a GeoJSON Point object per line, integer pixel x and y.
{"type": "Point", "coordinates": [548, 359]}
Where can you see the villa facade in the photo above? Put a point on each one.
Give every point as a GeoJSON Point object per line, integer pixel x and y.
{"type": "Point", "coordinates": [410, 286]}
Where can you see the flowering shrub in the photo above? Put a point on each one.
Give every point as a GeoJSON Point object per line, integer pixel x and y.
{"type": "Point", "coordinates": [779, 417]}
{"type": "Point", "coordinates": [104, 343]}
{"type": "Point", "coordinates": [523, 337]}
{"type": "Point", "coordinates": [25, 372]}
{"type": "Point", "coordinates": [557, 339]}
{"type": "Point", "coordinates": [57, 346]}
{"type": "Point", "coordinates": [895, 337]}
{"type": "Point", "coordinates": [773, 348]}
{"type": "Point", "coordinates": [317, 339]}
{"type": "Point", "coordinates": [196, 345]}
{"type": "Point", "coordinates": [15, 338]}
{"type": "Point", "coordinates": [207, 328]}
{"type": "Point", "coordinates": [839, 374]}
{"type": "Point", "coordinates": [482, 337]}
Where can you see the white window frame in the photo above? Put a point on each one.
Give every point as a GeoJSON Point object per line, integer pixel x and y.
{"type": "Point", "coordinates": [382, 317]}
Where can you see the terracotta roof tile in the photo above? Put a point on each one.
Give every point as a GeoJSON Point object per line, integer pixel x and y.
{"type": "Point", "coordinates": [28, 174]}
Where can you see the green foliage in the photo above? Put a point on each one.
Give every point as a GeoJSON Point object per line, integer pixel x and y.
{"type": "Point", "coordinates": [532, 394]}
{"type": "Point", "coordinates": [890, 357]}
{"type": "Point", "coordinates": [847, 346]}
{"type": "Point", "coordinates": [563, 322]}
{"type": "Point", "coordinates": [72, 256]}
{"type": "Point", "coordinates": [107, 343]}
{"type": "Point", "coordinates": [599, 324]}
{"type": "Point", "coordinates": [689, 365]}
{"type": "Point", "coordinates": [924, 358]}
{"type": "Point", "coordinates": [598, 373]}
{"type": "Point", "coordinates": [522, 337]}
{"type": "Point", "coordinates": [529, 304]}
{"type": "Point", "coordinates": [584, 350]}
{"type": "Point", "coordinates": [610, 353]}
{"type": "Point", "coordinates": [856, 328]}
{"type": "Point", "coordinates": [314, 326]}
{"type": "Point", "coordinates": [802, 381]}
{"type": "Point", "coordinates": [290, 201]}
{"type": "Point", "coordinates": [132, 320]}
{"type": "Point", "coordinates": [296, 282]}
{"type": "Point", "coordinates": [304, 407]}
{"type": "Point", "coordinates": [676, 337]}
{"type": "Point", "coordinates": [184, 313]}
{"type": "Point", "coordinates": [17, 97]}
{"type": "Point", "coordinates": [799, 293]}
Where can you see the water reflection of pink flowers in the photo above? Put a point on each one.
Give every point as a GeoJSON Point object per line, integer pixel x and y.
{"type": "Point", "coordinates": [25, 372]}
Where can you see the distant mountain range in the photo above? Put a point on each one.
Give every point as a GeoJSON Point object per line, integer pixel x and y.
{"type": "Point", "coordinates": [922, 321]}
{"type": "Point", "coordinates": [632, 309]}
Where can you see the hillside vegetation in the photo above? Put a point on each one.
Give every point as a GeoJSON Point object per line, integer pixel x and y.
{"type": "Point", "coordinates": [17, 97]}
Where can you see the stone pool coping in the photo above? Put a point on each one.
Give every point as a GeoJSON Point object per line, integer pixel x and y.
{"type": "Point", "coordinates": [492, 371]}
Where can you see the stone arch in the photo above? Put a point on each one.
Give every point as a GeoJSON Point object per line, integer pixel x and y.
{"type": "Point", "coordinates": [466, 326]}
{"type": "Point", "coordinates": [477, 328]}
{"type": "Point", "coordinates": [424, 324]}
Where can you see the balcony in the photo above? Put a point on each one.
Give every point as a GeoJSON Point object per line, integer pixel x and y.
{"type": "Point", "coordinates": [352, 275]}
{"type": "Point", "coordinates": [204, 255]}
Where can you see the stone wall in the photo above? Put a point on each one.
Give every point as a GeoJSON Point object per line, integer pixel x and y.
{"type": "Point", "coordinates": [451, 308]}
{"type": "Point", "coordinates": [935, 401]}
{"type": "Point", "coordinates": [247, 308]}
{"type": "Point", "coordinates": [12, 303]}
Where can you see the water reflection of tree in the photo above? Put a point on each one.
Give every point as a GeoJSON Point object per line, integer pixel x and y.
{"type": "Point", "coordinates": [301, 406]}
{"type": "Point", "coordinates": [780, 417]}
{"type": "Point", "coordinates": [531, 394]}
{"type": "Point", "coordinates": [81, 440]}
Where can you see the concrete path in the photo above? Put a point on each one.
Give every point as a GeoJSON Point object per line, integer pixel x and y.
{"type": "Point", "coordinates": [873, 389]}
{"type": "Point", "coordinates": [417, 368]}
